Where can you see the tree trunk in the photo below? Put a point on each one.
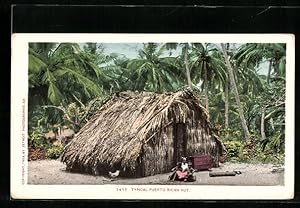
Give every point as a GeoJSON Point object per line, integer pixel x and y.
{"type": "Point", "coordinates": [262, 124]}
{"type": "Point", "coordinates": [236, 93]}
{"type": "Point", "coordinates": [226, 104]}
{"type": "Point", "coordinates": [188, 75]}
{"type": "Point", "coordinates": [205, 86]}
{"type": "Point", "coordinates": [269, 71]}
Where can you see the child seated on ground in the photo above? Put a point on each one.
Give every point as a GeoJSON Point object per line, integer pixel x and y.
{"type": "Point", "coordinates": [183, 171]}
{"type": "Point", "coordinates": [184, 164]}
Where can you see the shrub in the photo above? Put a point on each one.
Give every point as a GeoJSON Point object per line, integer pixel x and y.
{"type": "Point", "coordinates": [36, 137]}
{"type": "Point", "coordinates": [54, 151]}
{"type": "Point", "coordinates": [252, 152]}
{"type": "Point", "coordinates": [38, 142]}
{"type": "Point", "coordinates": [233, 149]}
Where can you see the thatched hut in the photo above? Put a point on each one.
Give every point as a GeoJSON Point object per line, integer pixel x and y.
{"type": "Point", "coordinates": [143, 134]}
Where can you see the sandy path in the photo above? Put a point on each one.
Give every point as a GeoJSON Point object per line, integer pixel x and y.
{"type": "Point", "coordinates": [53, 172]}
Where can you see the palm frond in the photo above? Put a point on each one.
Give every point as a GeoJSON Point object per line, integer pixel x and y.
{"type": "Point", "coordinates": [86, 83]}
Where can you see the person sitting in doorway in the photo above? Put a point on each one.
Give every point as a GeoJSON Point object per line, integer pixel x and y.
{"type": "Point", "coordinates": [183, 171]}
{"type": "Point", "coordinates": [184, 164]}
{"type": "Point", "coordinates": [175, 170]}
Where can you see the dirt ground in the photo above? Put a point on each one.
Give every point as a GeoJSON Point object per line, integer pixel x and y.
{"type": "Point", "coordinates": [53, 172]}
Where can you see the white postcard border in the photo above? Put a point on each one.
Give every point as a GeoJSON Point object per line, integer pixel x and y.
{"type": "Point", "coordinates": [19, 115]}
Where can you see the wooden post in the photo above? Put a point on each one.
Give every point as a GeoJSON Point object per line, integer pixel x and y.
{"type": "Point", "coordinates": [227, 173]}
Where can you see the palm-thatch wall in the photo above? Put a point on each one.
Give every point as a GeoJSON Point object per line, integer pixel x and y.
{"type": "Point", "coordinates": [143, 134]}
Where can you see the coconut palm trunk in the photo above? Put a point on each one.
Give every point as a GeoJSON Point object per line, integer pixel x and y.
{"type": "Point", "coordinates": [236, 93]}
{"type": "Point", "coordinates": [226, 104]}
{"type": "Point", "coordinates": [269, 71]}
{"type": "Point", "coordinates": [262, 124]}
{"type": "Point", "coordinates": [206, 86]}
{"type": "Point", "coordinates": [188, 74]}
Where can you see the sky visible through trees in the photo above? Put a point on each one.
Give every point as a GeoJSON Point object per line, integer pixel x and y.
{"type": "Point", "coordinates": [131, 51]}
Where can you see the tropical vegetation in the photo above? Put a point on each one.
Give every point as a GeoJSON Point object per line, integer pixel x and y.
{"type": "Point", "coordinates": [242, 87]}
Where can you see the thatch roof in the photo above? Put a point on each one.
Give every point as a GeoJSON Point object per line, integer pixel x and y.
{"type": "Point", "coordinates": [116, 134]}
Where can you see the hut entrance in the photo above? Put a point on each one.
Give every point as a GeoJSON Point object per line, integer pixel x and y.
{"type": "Point", "coordinates": [180, 141]}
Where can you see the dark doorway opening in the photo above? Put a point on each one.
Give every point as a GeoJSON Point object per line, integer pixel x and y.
{"type": "Point", "coordinates": [180, 141]}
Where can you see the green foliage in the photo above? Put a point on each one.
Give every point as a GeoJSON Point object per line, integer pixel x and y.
{"type": "Point", "coordinates": [69, 82]}
{"type": "Point", "coordinates": [54, 152]}
{"type": "Point", "coordinates": [36, 137]}
{"type": "Point", "coordinates": [153, 72]}
{"type": "Point", "coordinates": [251, 152]}
{"type": "Point", "coordinates": [37, 117]}
{"type": "Point", "coordinates": [37, 140]}
{"type": "Point", "coordinates": [76, 114]}
{"type": "Point", "coordinates": [233, 149]}
{"type": "Point", "coordinates": [207, 65]}
{"type": "Point", "coordinates": [231, 134]}
{"type": "Point", "coordinates": [58, 70]}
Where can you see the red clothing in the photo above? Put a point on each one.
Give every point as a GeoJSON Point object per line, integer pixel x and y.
{"type": "Point", "coordinates": [181, 175]}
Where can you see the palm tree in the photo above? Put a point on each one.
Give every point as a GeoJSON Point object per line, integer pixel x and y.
{"type": "Point", "coordinates": [235, 91]}
{"type": "Point", "coordinates": [184, 58]}
{"type": "Point", "coordinates": [250, 56]}
{"type": "Point", "coordinates": [152, 71]}
{"type": "Point", "coordinates": [58, 71]}
{"type": "Point", "coordinates": [207, 67]}
{"type": "Point", "coordinates": [203, 65]}
{"type": "Point", "coordinates": [267, 114]}
{"type": "Point", "coordinates": [253, 54]}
